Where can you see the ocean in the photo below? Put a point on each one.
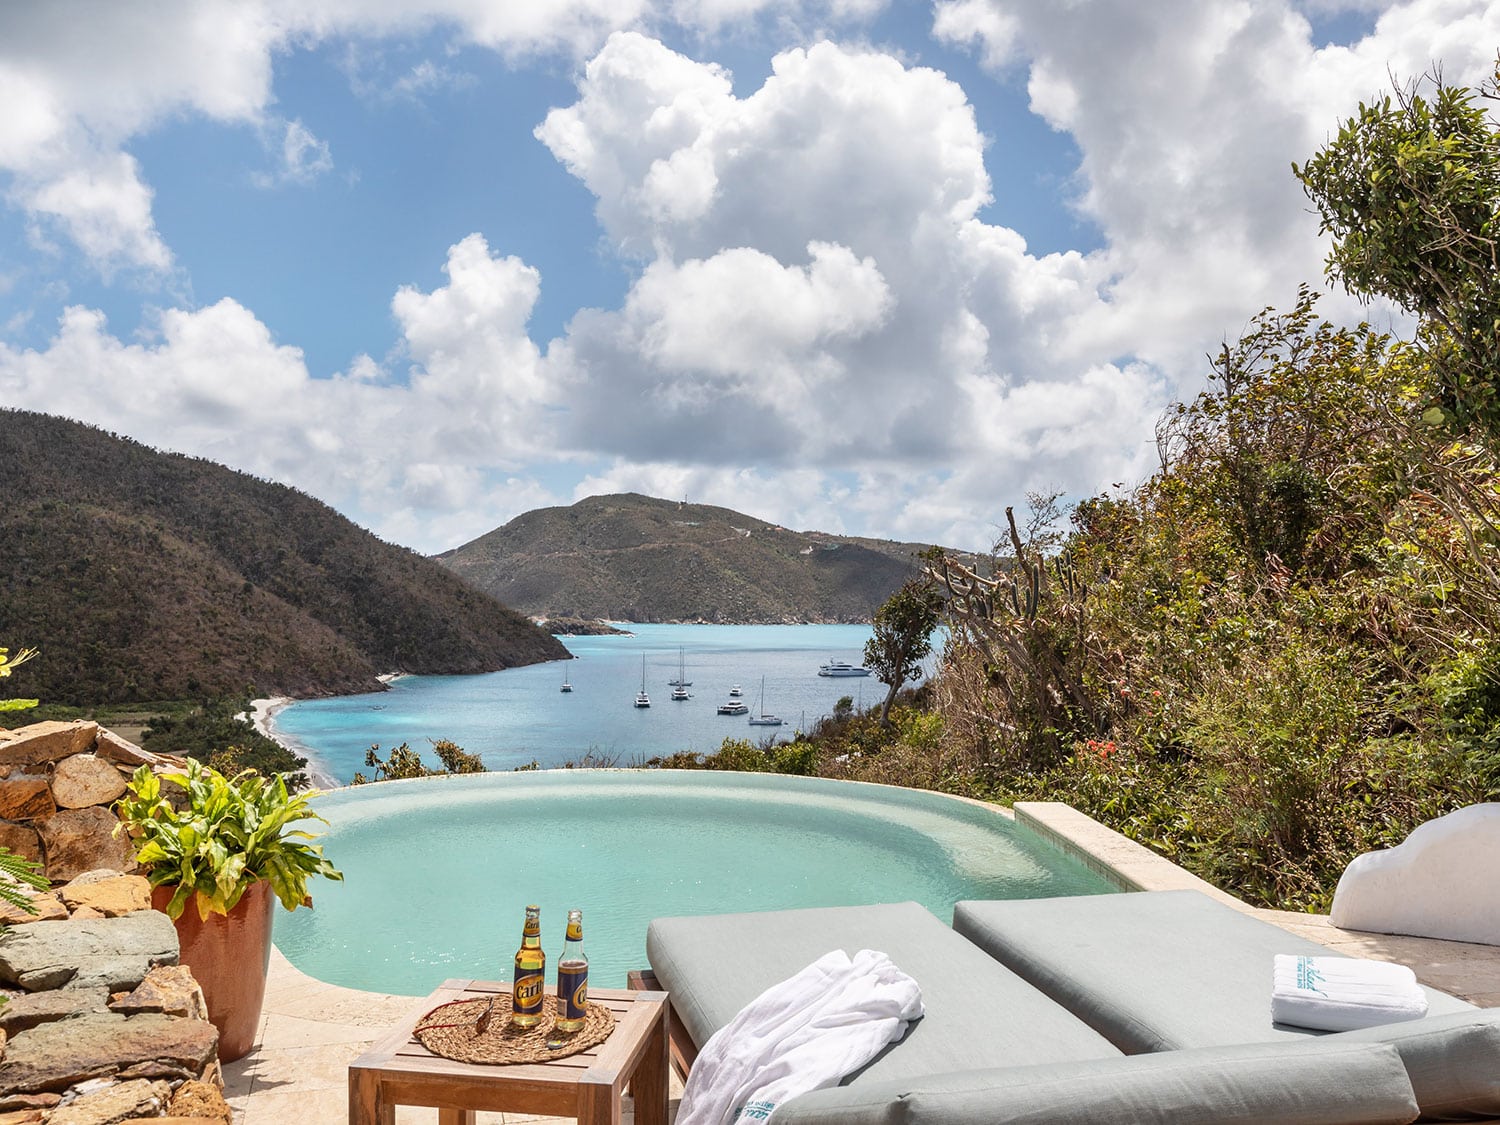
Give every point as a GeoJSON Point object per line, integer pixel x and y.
{"type": "Point", "coordinates": [518, 716]}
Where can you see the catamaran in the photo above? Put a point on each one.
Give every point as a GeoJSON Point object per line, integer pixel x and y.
{"type": "Point", "coordinates": [642, 699]}
{"type": "Point", "coordinates": [565, 685]}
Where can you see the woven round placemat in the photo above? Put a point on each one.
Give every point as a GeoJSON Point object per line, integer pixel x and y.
{"type": "Point", "coordinates": [450, 1030]}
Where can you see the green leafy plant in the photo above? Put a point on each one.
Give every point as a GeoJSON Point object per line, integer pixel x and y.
{"type": "Point", "coordinates": [16, 871]}
{"type": "Point", "coordinates": [8, 664]}
{"type": "Point", "coordinates": [221, 836]}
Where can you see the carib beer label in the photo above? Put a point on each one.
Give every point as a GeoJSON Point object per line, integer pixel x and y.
{"type": "Point", "coordinates": [573, 991]}
{"type": "Point", "coordinates": [526, 994]}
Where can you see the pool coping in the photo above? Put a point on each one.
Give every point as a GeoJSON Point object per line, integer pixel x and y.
{"type": "Point", "coordinates": [1129, 865]}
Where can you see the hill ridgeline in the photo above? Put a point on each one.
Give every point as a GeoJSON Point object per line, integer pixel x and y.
{"type": "Point", "coordinates": [147, 576]}
{"type": "Point", "coordinates": [634, 558]}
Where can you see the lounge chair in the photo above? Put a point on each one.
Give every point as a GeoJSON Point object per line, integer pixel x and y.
{"type": "Point", "coordinates": [1152, 1006]}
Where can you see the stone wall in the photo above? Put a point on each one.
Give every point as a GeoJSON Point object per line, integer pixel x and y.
{"type": "Point", "coordinates": [57, 783]}
{"type": "Point", "coordinates": [100, 1024]}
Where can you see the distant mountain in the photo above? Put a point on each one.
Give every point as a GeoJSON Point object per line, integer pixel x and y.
{"type": "Point", "coordinates": [634, 558]}
{"type": "Point", "coordinates": [146, 576]}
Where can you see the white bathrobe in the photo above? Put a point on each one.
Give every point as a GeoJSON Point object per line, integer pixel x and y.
{"type": "Point", "coordinates": [803, 1034]}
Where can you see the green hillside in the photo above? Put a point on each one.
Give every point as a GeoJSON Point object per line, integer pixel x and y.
{"type": "Point", "coordinates": [143, 575]}
{"type": "Point", "coordinates": [634, 558]}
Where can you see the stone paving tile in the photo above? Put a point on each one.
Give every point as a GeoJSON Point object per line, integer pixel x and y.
{"type": "Point", "coordinates": [313, 1067]}
{"type": "Point", "coordinates": [297, 1107]}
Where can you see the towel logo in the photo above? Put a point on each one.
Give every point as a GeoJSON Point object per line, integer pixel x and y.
{"type": "Point", "coordinates": [754, 1111]}
{"type": "Point", "coordinates": [1308, 976]}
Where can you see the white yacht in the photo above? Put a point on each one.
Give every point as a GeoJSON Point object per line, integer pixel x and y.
{"type": "Point", "coordinates": [565, 685]}
{"type": "Point", "coordinates": [734, 707]}
{"type": "Point", "coordinates": [842, 668]}
{"type": "Point", "coordinates": [735, 692]}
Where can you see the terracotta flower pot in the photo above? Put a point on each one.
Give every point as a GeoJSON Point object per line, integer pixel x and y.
{"type": "Point", "coordinates": [229, 955]}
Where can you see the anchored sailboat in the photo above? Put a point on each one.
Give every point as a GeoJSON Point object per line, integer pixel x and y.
{"type": "Point", "coordinates": [764, 719]}
{"type": "Point", "coordinates": [681, 680]}
{"type": "Point", "coordinates": [642, 699]}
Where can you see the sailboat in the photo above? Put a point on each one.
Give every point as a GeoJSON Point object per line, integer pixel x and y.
{"type": "Point", "coordinates": [565, 685]}
{"type": "Point", "coordinates": [642, 699]}
{"type": "Point", "coordinates": [681, 681]}
{"type": "Point", "coordinates": [764, 719]}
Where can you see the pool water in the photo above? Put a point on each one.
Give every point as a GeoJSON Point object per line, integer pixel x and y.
{"type": "Point", "coordinates": [438, 872]}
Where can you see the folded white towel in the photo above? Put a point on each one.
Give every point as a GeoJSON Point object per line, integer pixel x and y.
{"type": "Point", "coordinates": [803, 1034]}
{"type": "Point", "coordinates": [1343, 993]}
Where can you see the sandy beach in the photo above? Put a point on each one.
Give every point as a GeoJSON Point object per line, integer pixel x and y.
{"type": "Point", "coordinates": [262, 711]}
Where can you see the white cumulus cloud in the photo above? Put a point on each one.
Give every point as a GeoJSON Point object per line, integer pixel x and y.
{"type": "Point", "coordinates": [430, 459]}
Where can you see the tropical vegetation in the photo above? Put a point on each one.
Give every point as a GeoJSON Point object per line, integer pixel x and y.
{"type": "Point", "coordinates": [9, 664]}
{"type": "Point", "coordinates": [403, 762]}
{"type": "Point", "coordinates": [216, 733]}
{"type": "Point", "coordinates": [1281, 649]}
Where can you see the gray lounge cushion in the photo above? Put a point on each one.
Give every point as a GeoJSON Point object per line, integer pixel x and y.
{"type": "Point", "coordinates": [1152, 970]}
{"type": "Point", "coordinates": [1315, 1083]}
{"type": "Point", "coordinates": [1453, 1061]}
{"type": "Point", "coordinates": [979, 1014]}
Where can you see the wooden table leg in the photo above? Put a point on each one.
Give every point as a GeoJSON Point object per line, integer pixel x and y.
{"type": "Point", "coordinates": [366, 1106]}
{"type": "Point", "coordinates": [598, 1102]}
{"type": "Point", "coordinates": [648, 1085]}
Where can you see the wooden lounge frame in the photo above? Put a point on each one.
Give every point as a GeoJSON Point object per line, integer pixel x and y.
{"type": "Point", "coordinates": [680, 1044]}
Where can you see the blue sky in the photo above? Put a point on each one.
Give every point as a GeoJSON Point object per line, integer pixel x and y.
{"type": "Point", "coordinates": [844, 264]}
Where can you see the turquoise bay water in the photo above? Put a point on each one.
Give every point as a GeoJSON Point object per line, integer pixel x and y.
{"type": "Point", "coordinates": [516, 716]}
{"type": "Point", "coordinates": [438, 872]}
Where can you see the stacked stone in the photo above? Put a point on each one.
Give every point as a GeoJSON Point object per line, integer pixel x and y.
{"type": "Point", "coordinates": [100, 1024]}
{"type": "Point", "coordinates": [58, 782]}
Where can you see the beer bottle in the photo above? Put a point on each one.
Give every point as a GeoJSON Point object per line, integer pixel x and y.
{"type": "Point", "coordinates": [572, 977]}
{"type": "Point", "coordinates": [529, 985]}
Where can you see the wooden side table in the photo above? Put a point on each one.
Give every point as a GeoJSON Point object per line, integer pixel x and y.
{"type": "Point", "coordinates": [398, 1070]}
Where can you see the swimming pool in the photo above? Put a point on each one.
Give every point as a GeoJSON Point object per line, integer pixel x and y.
{"type": "Point", "coordinates": [438, 872]}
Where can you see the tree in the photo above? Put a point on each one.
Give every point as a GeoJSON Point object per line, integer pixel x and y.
{"type": "Point", "coordinates": [1410, 192]}
{"type": "Point", "coordinates": [217, 732]}
{"type": "Point", "coordinates": [903, 638]}
{"type": "Point", "coordinates": [404, 762]}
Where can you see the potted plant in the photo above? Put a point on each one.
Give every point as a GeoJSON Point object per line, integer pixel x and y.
{"type": "Point", "coordinates": [226, 845]}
